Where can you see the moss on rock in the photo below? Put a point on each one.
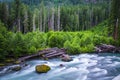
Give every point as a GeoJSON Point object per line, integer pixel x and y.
{"type": "Point", "coordinates": [1, 64]}
{"type": "Point", "coordinates": [17, 62]}
{"type": "Point", "coordinates": [42, 68]}
{"type": "Point", "coordinates": [9, 60]}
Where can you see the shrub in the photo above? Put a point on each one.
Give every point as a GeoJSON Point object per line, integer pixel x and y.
{"type": "Point", "coordinates": [36, 39]}
{"type": "Point", "coordinates": [73, 48]}
{"type": "Point", "coordinates": [17, 44]}
{"type": "Point", "coordinates": [56, 40]}
{"type": "Point", "coordinates": [88, 48]}
{"type": "Point", "coordinates": [3, 46]}
{"type": "Point", "coordinates": [97, 40]}
{"type": "Point", "coordinates": [85, 40]}
{"type": "Point", "coordinates": [32, 49]}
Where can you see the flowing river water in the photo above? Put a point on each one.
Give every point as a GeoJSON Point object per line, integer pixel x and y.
{"type": "Point", "coordinates": [83, 67]}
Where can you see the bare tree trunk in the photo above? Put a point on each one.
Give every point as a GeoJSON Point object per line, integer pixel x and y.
{"type": "Point", "coordinates": [78, 19]}
{"type": "Point", "coordinates": [34, 26]}
{"type": "Point", "coordinates": [38, 22]}
{"type": "Point", "coordinates": [48, 19]}
{"type": "Point", "coordinates": [52, 20]}
{"type": "Point", "coordinates": [18, 25]}
{"type": "Point", "coordinates": [115, 35]}
{"type": "Point", "coordinates": [44, 22]}
{"type": "Point", "coordinates": [41, 20]}
{"type": "Point", "coordinates": [58, 21]}
{"type": "Point", "coordinates": [96, 20]}
{"type": "Point", "coordinates": [25, 22]}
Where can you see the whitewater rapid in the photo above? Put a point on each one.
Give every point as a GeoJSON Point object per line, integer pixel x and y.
{"type": "Point", "coordinates": [83, 67]}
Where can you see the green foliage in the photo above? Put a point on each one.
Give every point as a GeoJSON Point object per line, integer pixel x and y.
{"type": "Point", "coordinates": [88, 48]}
{"type": "Point", "coordinates": [32, 49]}
{"type": "Point", "coordinates": [72, 48]}
{"type": "Point", "coordinates": [81, 43]}
{"type": "Point", "coordinates": [22, 17]}
{"type": "Point", "coordinates": [56, 40]}
{"type": "Point", "coordinates": [3, 41]}
{"type": "Point", "coordinates": [2, 47]}
{"type": "Point", "coordinates": [18, 44]}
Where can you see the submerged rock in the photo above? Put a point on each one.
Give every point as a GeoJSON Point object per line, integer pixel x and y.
{"type": "Point", "coordinates": [61, 65]}
{"type": "Point", "coordinates": [66, 58]}
{"type": "Point", "coordinates": [16, 68]}
{"type": "Point", "coordinates": [42, 68]}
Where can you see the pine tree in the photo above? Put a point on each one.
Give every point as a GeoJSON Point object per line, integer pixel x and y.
{"type": "Point", "coordinates": [17, 11]}
{"type": "Point", "coordinates": [115, 18]}
{"type": "Point", "coordinates": [25, 18]}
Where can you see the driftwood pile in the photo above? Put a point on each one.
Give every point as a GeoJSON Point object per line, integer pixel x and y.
{"type": "Point", "coordinates": [107, 48]}
{"type": "Point", "coordinates": [46, 54]}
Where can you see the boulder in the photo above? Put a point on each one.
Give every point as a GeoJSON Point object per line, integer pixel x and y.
{"type": "Point", "coordinates": [9, 60]}
{"type": "Point", "coordinates": [66, 58]}
{"type": "Point", "coordinates": [1, 64]}
{"type": "Point", "coordinates": [61, 65]}
{"type": "Point", "coordinates": [16, 68]}
{"type": "Point", "coordinates": [42, 68]}
{"type": "Point", "coordinates": [17, 62]}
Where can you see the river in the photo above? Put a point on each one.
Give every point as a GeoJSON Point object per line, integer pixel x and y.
{"type": "Point", "coordinates": [83, 67]}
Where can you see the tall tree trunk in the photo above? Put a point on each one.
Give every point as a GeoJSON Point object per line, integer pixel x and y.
{"type": "Point", "coordinates": [38, 22]}
{"type": "Point", "coordinates": [41, 20]}
{"type": "Point", "coordinates": [58, 21]}
{"type": "Point", "coordinates": [52, 19]}
{"type": "Point", "coordinates": [25, 22]}
{"type": "Point", "coordinates": [18, 24]}
{"type": "Point", "coordinates": [44, 22]}
{"type": "Point", "coordinates": [114, 18]}
{"type": "Point", "coordinates": [115, 34]}
{"type": "Point", "coordinates": [34, 26]}
{"type": "Point", "coordinates": [48, 19]}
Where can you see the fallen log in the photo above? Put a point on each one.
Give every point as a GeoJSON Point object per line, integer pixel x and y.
{"type": "Point", "coordinates": [54, 55]}
{"type": "Point", "coordinates": [106, 48]}
{"type": "Point", "coordinates": [47, 53]}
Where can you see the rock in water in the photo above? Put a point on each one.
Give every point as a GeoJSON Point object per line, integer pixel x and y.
{"type": "Point", "coordinates": [66, 58]}
{"type": "Point", "coordinates": [42, 68]}
{"type": "Point", "coordinates": [16, 68]}
{"type": "Point", "coordinates": [61, 65]}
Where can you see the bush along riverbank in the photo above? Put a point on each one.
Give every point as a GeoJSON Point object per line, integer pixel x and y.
{"type": "Point", "coordinates": [17, 45]}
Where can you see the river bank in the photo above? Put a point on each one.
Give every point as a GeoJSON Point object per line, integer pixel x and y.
{"type": "Point", "coordinates": [56, 52]}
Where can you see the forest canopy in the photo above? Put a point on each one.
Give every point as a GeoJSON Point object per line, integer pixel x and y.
{"type": "Point", "coordinates": [56, 15]}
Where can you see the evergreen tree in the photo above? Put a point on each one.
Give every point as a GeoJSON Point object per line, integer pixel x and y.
{"type": "Point", "coordinates": [17, 8]}
{"type": "Point", "coordinates": [115, 19]}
